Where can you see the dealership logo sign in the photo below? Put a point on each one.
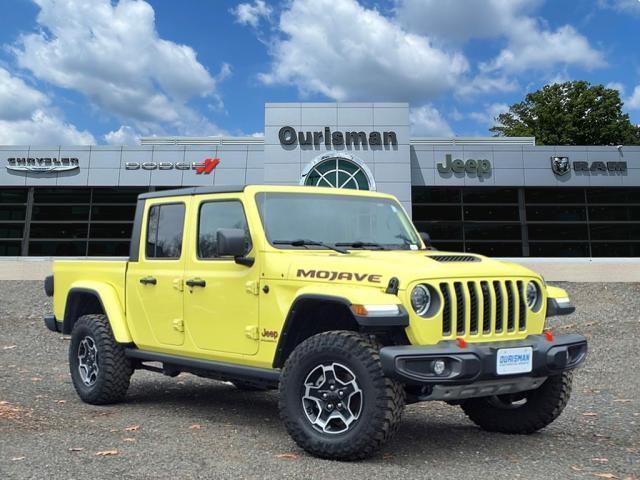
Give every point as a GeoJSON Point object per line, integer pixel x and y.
{"type": "Point", "coordinates": [470, 166]}
{"type": "Point", "coordinates": [205, 167]}
{"type": "Point", "coordinates": [289, 137]}
{"type": "Point", "coordinates": [562, 165]}
{"type": "Point", "coordinates": [42, 164]}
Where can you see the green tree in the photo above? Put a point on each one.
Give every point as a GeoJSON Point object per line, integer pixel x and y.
{"type": "Point", "coordinates": [570, 113]}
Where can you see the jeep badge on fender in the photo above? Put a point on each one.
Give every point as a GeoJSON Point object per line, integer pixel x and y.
{"type": "Point", "coordinates": [329, 296]}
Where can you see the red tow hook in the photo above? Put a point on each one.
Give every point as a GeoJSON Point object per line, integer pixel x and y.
{"type": "Point", "coordinates": [549, 335]}
{"type": "Point", "coordinates": [462, 343]}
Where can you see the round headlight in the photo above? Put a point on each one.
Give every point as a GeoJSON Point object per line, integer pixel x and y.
{"type": "Point", "coordinates": [532, 295]}
{"type": "Point", "coordinates": [420, 299]}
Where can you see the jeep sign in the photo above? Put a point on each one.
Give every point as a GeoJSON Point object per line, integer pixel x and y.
{"type": "Point", "coordinates": [470, 166]}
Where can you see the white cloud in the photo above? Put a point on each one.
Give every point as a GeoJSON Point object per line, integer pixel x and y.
{"type": "Point", "coordinates": [633, 102]}
{"type": "Point", "coordinates": [113, 55]}
{"type": "Point", "coordinates": [125, 135]}
{"type": "Point", "coordinates": [459, 21]}
{"type": "Point", "coordinates": [622, 6]}
{"type": "Point", "coordinates": [427, 121]}
{"type": "Point", "coordinates": [488, 117]}
{"type": "Point", "coordinates": [529, 43]}
{"type": "Point", "coordinates": [251, 14]}
{"type": "Point", "coordinates": [532, 48]}
{"type": "Point", "coordinates": [26, 117]}
{"type": "Point", "coordinates": [616, 86]}
{"type": "Point", "coordinates": [484, 84]}
{"type": "Point", "coordinates": [356, 53]}
{"type": "Point", "coordinates": [42, 128]}
{"type": "Point", "coordinates": [17, 99]}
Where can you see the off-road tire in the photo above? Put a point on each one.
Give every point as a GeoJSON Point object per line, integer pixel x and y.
{"type": "Point", "coordinates": [383, 399]}
{"type": "Point", "coordinates": [114, 368]}
{"type": "Point", "coordinates": [542, 407]}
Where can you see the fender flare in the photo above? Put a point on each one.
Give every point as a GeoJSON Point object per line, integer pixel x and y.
{"type": "Point", "coordinates": [364, 322]}
{"type": "Point", "coordinates": [108, 299]}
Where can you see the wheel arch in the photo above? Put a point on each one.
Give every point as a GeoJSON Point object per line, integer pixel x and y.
{"type": "Point", "coordinates": [313, 313]}
{"type": "Point", "coordinates": [101, 299]}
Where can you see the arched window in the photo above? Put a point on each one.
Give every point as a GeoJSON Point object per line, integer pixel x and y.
{"type": "Point", "coordinates": [338, 171]}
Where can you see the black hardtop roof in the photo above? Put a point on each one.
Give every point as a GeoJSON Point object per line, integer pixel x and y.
{"type": "Point", "coordinates": [192, 191]}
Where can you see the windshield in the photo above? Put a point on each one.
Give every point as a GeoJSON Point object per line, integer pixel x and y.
{"type": "Point", "coordinates": [351, 221]}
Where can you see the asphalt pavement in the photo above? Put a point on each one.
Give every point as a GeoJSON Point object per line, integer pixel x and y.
{"type": "Point", "coordinates": [187, 427]}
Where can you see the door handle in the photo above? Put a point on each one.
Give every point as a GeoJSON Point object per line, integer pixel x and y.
{"type": "Point", "coordinates": [195, 282]}
{"type": "Point", "coordinates": [148, 281]}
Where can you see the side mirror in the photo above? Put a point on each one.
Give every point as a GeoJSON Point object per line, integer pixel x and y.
{"type": "Point", "coordinates": [230, 242]}
{"type": "Point", "coordinates": [426, 238]}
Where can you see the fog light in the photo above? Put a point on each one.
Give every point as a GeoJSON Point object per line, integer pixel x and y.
{"type": "Point", "coordinates": [439, 367]}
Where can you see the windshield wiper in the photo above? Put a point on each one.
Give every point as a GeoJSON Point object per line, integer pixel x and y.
{"type": "Point", "coordinates": [303, 243]}
{"type": "Point", "coordinates": [359, 244]}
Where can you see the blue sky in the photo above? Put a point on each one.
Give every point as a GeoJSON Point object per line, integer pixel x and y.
{"type": "Point", "coordinates": [100, 71]}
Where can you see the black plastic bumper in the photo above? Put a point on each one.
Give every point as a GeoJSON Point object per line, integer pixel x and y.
{"type": "Point", "coordinates": [477, 361]}
{"type": "Point", "coordinates": [52, 324]}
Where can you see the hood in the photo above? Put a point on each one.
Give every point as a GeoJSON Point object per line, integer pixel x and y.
{"type": "Point", "coordinates": [375, 268]}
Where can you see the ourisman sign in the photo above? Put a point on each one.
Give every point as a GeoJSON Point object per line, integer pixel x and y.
{"type": "Point", "coordinates": [288, 136]}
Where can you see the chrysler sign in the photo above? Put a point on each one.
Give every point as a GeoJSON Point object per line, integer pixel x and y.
{"type": "Point", "coordinates": [42, 164]}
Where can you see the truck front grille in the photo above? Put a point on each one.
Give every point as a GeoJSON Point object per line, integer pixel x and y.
{"type": "Point", "coordinates": [483, 308]}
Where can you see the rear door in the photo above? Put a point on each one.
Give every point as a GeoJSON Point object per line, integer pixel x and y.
{"type": "Point", "coordinates": [154, 282]}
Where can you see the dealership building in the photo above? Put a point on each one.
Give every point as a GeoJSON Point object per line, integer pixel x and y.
{"type": "Point", "coordinates": [503, 197]}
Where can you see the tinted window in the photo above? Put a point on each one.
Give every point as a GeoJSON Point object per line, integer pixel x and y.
{"type": "Point", "coordinates": [109, 249]}
{"type": "Point", "coordinates": [615, 249]}
{"type": "Point", "coordinates": [491, 212]}
{"type": "Point", "coordinates": [58, 249]}
{"type": "Point", "coordinates": [554, 249]}
{"type": "Point", "coordinates": [441, 230]}
{"type": "Point", "coordinates": [11, 230]}
{"type": "Point", "coordinates": [12, 213]}
{"type": "Point", "coordinates": [13, 195]}
{"type": "Point", "coordinates": [217, 215]}
{"type": "Point", "coordinates": [435, 195]}
{"type": "Point", "coordinates": [495, 249]}
{"type": "Point", "coordinates": [117, 195]}
{"type": "Point", "coordinates": [61, 212]}
{"type": "Point", "coordinates": [490, 195]}
{"type": "Point", "coordinates": [62, 195]}
{"type": "Point", "coordinates": [613, 195]}
{"type": "Point", "coordinates": [437, 212]}
{"type": "Point", "coordinates": [492, 231]}
{"type": "Point", "coordinates": [554, 195]}
{"type": "Point", "coordinates": [110, 230]}
{"type": "Point", "coordinates": [620, 213]}
{"type": "Point", "coordinates": [557, 213]}
{"type": "Point", "coordinates": [9, 249]}
{"type": "Point", "coordinates": [165, 225]}
{"type": "Point", "coordinates": [120, 212]}
{"type": "Point", "coordinates": [607, 231]}
{"type": "Point", "coordinates": [58, 230]}
{"type": "Point", "coordinates": [557, 231]}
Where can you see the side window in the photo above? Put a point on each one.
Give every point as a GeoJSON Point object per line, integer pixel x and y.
{"type": "Point", "coordinates": [216, 215]}
{"type": "Point", "coordinates": [165, 225]}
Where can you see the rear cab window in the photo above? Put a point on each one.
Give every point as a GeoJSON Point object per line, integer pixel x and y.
{"type": "Point", "coordinates": [165, 229]}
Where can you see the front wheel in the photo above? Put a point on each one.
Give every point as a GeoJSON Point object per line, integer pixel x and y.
{"type": "Point", "coordinates": [524, 412]}
{"type": "Point", "coordinates": [335, 401]}
{"type": "Point", "coordinates": [100, 371]}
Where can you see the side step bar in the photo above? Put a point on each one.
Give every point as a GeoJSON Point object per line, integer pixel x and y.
{"type": "Point", "coordinates": [208, 368]}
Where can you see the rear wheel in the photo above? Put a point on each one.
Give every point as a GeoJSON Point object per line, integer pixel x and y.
{"type": "Point", "coordinates": [524, 412]}
{"type": "Point", "coordinates": [334, 399]}
{"type": "Point", "coordinates": [100, 371]}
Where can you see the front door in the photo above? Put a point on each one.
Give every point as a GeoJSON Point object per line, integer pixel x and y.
{"type": "Point", "coordinates": [220, 296]}
{"type": "Point", "coordinates": [154, 282]}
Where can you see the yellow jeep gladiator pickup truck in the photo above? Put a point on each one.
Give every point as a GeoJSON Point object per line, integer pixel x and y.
{"type": "Point", "coordinates": [332, 297]}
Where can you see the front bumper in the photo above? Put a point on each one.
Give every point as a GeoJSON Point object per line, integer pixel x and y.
{"type": "Point", "coordinates": [475, 362]}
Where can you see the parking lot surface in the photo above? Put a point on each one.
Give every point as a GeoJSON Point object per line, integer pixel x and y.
{"type": "Point", "coordinates": [187, 427]}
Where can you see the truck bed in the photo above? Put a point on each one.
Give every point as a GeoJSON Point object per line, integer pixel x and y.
{"type": "Point", "coordinates": [70, 274]}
